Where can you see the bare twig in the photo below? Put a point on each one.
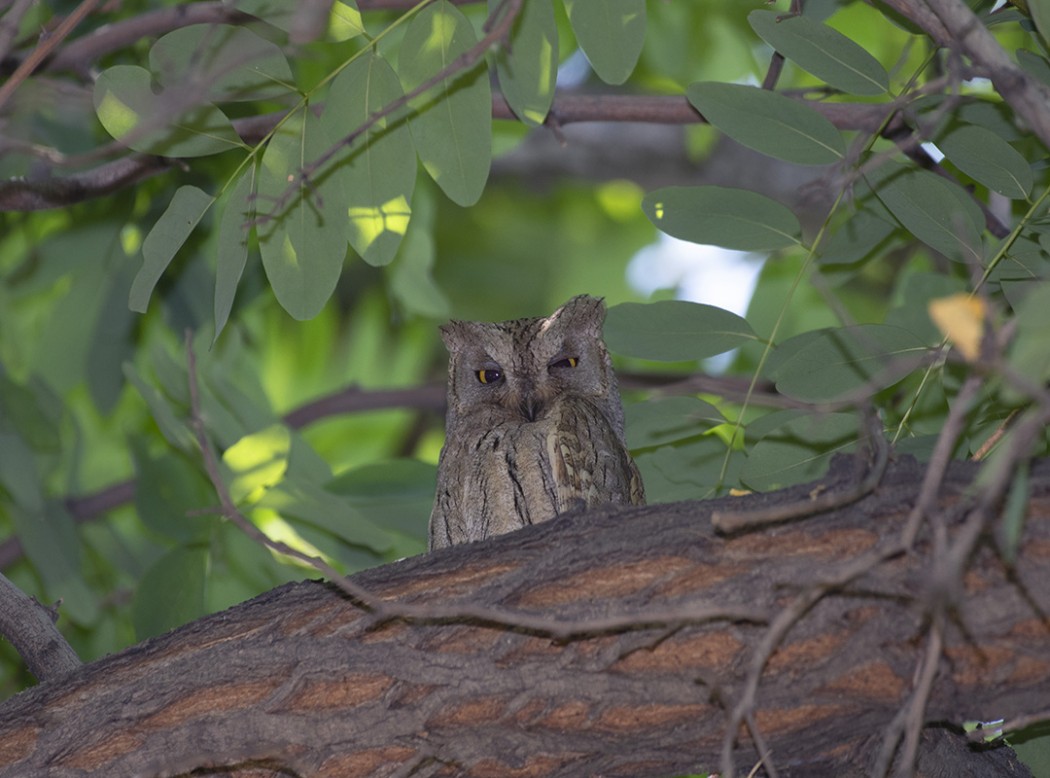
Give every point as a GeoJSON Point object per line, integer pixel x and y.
{"type": "Point", "coordinates": [730, 522]}
{"type": "Point", "coordinates": [383, 610]}
{"type": "Point", "coordinates": [49, 44]}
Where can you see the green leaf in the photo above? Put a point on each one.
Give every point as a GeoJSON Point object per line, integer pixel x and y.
{"type": "Point", "coordinates": [1014, 512]}
{"type": "Point", "coordinates": [668, 420]}
{"type": "Point", "coordinates": [257, 462]}
{"type": "Point", "coordinates": [731, 218]}
{"type": "Point", "coordinates": [171, 593]}
{"type": "Point", "coordinates": [768, 122]}
{"type": "Point", "coordinates": [1034, 65]}
{"type": "Point", "coordinates": [344, 20]}
{"type": "Point", "coordinates": [611, 34]}
{"type": "Point", "coordinates": [168, 494]}
{"type": "Point", "coordinates": [34, 414]}
{"type": "Point", "coordinates": [1028, 355]}
{"type": "Point", "coordinates": [936, 212]}
{"type": "Point", "coordinates": [848, 363]}
{"type": "Point", "coordinates": [186, 209]}
{"type": "Point", "coordinates": [171, 426]}
{"type": "Point", "coordinates": [527, 63]}
{"type": "Point", "coordinates": [858, 238]}
{"type": "Point", "coordinates": [825, 52]}
{"type": "Point", "coordinates": [235, 228]}
{"type": "Point", "coordinates": [378, 170]}
{"type": "Point", "coordinates": [410, 275]}
{"type": "Point", "coordinates": [798, 450]}
{"type": "Point", "coordinates": [302, 238]}
{"type": "Point", "coordinates": [295, 499]}
{"type": "Point", "coordinates": [687, 472]}
{"type": "Point", "coordinates": [156, 123]}
{"type": "Point", "coordinates": [222, 61]}
{"type": "Point", "coordinates": [674, 330]}
{"type": "Point", "coordinates": [397, 494]}
{"type": "Point", "coordinates": [989, 160]}
{"type": "Point", "coordinates": [452, 122]}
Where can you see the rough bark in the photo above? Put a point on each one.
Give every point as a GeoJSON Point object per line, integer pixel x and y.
{"type": "Point", "coordinates": [301, 681]}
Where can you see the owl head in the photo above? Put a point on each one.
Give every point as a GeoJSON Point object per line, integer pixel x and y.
{"type": "Point", "coordinates": [515, 371]}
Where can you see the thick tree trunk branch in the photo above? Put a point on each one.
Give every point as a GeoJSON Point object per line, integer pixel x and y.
{"type": "Point", "coordinates": [301, 679]}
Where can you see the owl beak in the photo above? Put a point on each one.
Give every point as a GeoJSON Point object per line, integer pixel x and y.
{"type": "Point", "coordinates": [530, 407]}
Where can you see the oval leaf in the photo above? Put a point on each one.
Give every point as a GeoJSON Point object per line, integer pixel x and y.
{"type": "Point", "coordinates": [235, 226]}
{"type": "Point", "coordinates": [344, 20]}
{"type": "Point", "coordinates": [229, 63]}
{"type": "Point", "coordinates": [768, 122]}
{"type": "Point", "coordinates": [302, 238]}
{"type": "Point", "coordinates": [936, 212]}
{"type": "Point", "coordinates": [668, 420]}
{"type": "Point", "coordinates": [611, 34]}
{"type": "Point", "coordinates": [451, 122]}
{"type": "Point", "coordinates": [378, 170]}
{"type": "Point", "coordinates": [147, 122]}
{"type": "Point", "coordinates": [825, 52]}
{"type": "Point", "coordinates": [527, 64]}
{"type": "Point", "coordinates": [731, 218]}
{"type": "Point", "coordinates": [989, 160]}
{"type": "Point", "coordinates": [172, 229]}
{"type": "Point", "coordinates": [848, 363]}
{"type": "Point", "coordinates": [798, 450]}
{"type": "Point", "coordinates": [673, 330]}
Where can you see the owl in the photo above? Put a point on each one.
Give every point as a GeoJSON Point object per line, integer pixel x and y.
{"type": "Point", "coordinates": [534, 426]}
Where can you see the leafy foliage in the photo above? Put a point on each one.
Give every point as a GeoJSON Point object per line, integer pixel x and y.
{"type": "Point", "coordinates": [299, 155]}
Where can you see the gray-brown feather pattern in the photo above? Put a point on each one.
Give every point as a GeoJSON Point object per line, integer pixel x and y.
{"type": "Point", "coordinates": [499, 469]}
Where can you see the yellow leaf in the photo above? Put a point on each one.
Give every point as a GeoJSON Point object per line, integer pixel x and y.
{"type": "Point", "coordinates": [960, 318]}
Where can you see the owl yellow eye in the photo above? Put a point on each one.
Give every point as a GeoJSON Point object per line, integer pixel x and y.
{"type": "Point", "coordinates": [489, 375]}
{"type": "Point", "coordinates": [566, 362]}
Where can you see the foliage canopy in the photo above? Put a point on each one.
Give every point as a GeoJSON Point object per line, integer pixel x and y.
{"type": "Point", "coordinates": [309, 195]}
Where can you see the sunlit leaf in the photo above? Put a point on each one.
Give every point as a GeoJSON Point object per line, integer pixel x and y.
{"type": "Point", "coordinates": [378, 170]}
{"type": "Point", "coordinates": [731, 218]}
{"type": "Point", "coordinates": [989, 160]}
{"type": "Point", "coordinates": [823, 51]}
{"type": "Point", "coordinates": [167, 124]}
{"type": "Point", "coordinates": [849, 363]}
{"type": "Point", "coordinates": [221, 61]}
{"type": "Point", "coordinates": [452, 122]}
{"type": "Point", "coordinates": [257, 461]}
{"type": "Point", "coordinates": [185, 211]}
{"type": "Point", "coordinates": [527, 64]}
{"type": "Point", "coordinates": [936, 212]}
{"type": "Point", "coordinates": [673, 330]}
{"type": "Point", "coordinates": [302, 220]}
{"type": "Point", "coordinates": [235, 228]}
{"type": "Point", "coordinates": [768, 122]}
{"type": "Point", "coordinates": [611, 34]}
{"type": "Point", "coordinates": [344, 20]}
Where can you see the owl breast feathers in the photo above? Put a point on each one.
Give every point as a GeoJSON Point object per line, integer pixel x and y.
{"type": "Point", "coordinates": [534, 425]}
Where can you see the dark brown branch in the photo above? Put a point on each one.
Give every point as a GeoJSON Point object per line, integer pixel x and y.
{"type": "Point", "coordinates": [306, 681]}
{"type": "Point", "coordinates": [30, 628]}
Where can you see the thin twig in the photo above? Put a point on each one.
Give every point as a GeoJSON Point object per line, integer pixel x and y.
{"type": "Point", "coordinates": [41, 52]}
{"type": "Point", "coordinates": [382, 610]}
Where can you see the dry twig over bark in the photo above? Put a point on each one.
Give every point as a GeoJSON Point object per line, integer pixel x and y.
{"type": "Point", "coordinates": [302, 680]}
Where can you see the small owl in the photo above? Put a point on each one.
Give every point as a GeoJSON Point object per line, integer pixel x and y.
{"type": "Point", "coordinates": [534, 425]}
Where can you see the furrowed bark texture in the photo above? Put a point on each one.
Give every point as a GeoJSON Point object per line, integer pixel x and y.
{"type": "Point", "coordinates": [300, 681]}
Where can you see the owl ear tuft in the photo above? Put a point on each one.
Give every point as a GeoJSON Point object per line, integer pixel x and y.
{"type": "Point", "coordinates": [581, 313]}
{"type": "Point", "coordinates": [460, 336]}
